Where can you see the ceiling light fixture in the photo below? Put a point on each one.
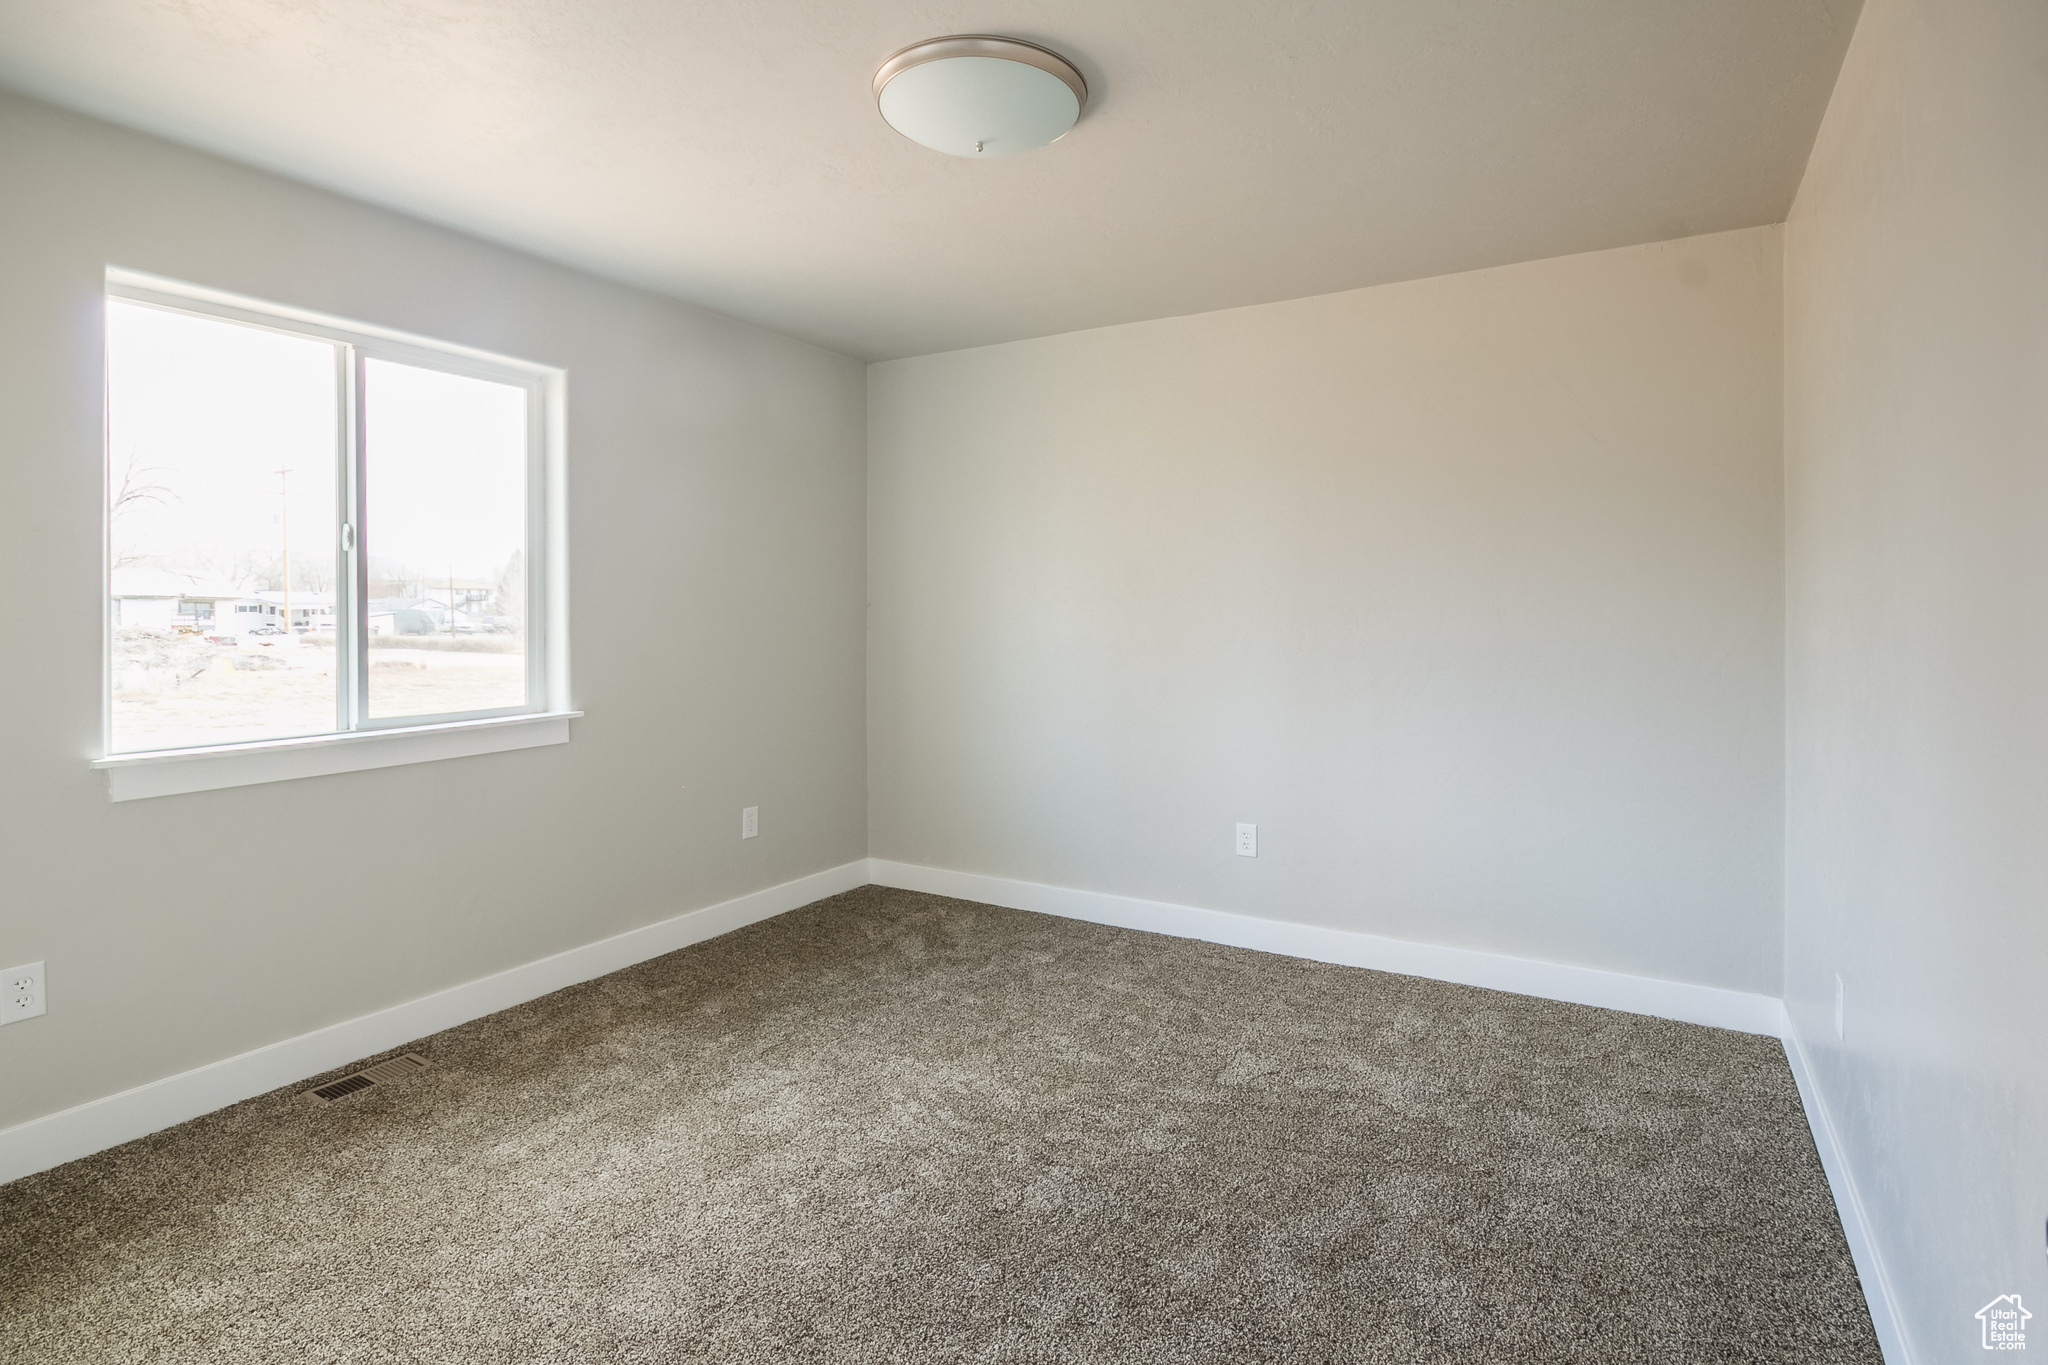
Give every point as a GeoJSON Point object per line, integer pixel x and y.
{"type": "Point", "coordinates": [974, 95]}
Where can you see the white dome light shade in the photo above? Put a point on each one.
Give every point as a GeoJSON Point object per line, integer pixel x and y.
{"type": "Point", "coordinates": [980, 96]}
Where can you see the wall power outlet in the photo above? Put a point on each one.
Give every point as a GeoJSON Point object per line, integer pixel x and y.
{"type": "Point", "coordinates": [1247, 841]}
{"type": "Point", "coordinates": [750, 822]}
{"type": "Point", "coordinates": [23, 996]}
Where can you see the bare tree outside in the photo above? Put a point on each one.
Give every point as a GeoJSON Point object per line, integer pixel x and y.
{"type": "Point", "coordinates": [139, 486]}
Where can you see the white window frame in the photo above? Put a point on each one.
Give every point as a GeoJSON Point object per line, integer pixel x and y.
{"type": "Point", "coordinates": [359, 741]}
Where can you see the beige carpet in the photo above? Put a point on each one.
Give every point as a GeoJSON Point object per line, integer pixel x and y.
{"type": "Point", "coordinates": [893, 1127]}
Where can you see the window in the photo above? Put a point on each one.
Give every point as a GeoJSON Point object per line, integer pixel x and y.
{"type": "Point", "coordinates": [320, 531]}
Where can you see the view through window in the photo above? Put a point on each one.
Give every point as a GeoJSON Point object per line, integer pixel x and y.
{"type": "Point", "coordinates": [246, 602]}
{"type": "Point", "coordinates": [445, 531]}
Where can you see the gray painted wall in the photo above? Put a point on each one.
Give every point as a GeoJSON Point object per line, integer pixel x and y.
{"type": "Point", "coordinates": [1917, 457]}
{"type": "Point", "coordinates": [717, 512]}
{"type": "Point", "coordinates": [1468, 592]}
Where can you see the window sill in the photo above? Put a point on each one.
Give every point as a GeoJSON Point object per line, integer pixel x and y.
{"type": "Point", "coordinates": [169, 772]}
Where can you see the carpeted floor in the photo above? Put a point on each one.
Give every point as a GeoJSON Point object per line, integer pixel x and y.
{"type": "Point", "coordinates": [894, 1127]}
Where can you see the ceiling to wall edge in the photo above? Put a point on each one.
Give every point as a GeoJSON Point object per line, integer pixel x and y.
{"type": "Point", "coordinates": [569, 259]}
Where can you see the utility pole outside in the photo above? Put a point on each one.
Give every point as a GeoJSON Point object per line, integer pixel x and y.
{"type": "Point", "coordinates": [284, 527]}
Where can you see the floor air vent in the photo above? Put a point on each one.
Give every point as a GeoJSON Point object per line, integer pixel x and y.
{"type": "Point", "coordinates": [391, 1069]}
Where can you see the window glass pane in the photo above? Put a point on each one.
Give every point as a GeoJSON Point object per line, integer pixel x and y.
{"type": "Point", "coordinates": [445, 531]}
{"type": "Point", "coordinates": [221, 441]}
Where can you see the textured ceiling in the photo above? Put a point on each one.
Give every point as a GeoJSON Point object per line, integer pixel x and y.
{"type": "Point", "coordinates": [728, 152]}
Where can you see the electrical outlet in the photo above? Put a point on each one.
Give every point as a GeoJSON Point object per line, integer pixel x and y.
{"type": "Point", "coordinates": [1247, 841]}
{"type": "Point", "coordinates": [750, 822]}
{"type": "Point", "coordinates": [23, 996]}
{"type": "Point", "coordinates": [1839, 1032]}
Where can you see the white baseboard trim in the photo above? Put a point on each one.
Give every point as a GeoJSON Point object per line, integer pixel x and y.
{"type": "Point", "coordinates": [1683, 1001]}
{"type": "Point", "coordinates": [1877, 1285]}
{"type": "Point", "coordinates": [99, 1124]}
